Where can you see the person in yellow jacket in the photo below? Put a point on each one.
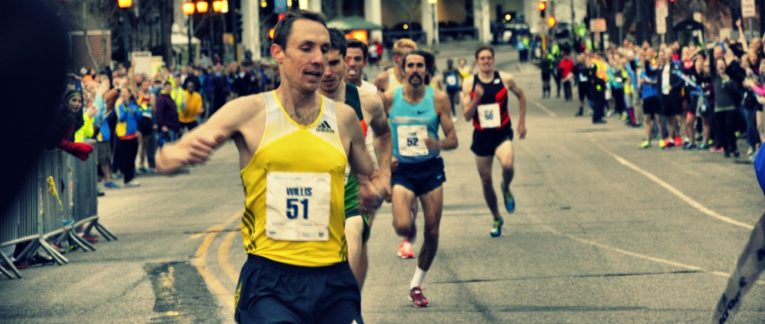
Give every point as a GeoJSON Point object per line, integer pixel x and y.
{"type": "Point", "coordinates": [191, 108]}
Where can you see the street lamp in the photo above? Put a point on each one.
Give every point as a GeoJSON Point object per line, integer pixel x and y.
{"type": "Point", "coordinates": [188, 10]}
{"type": "Point", "coordinates": [191, 7]}
{"type": "Point", "coordinates": [202, 6]}
{"type": "Point", "coordinates": [124, 5]}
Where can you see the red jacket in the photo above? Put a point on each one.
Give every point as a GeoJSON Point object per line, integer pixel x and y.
{"type": "Point", "coordinates": [565, 66]}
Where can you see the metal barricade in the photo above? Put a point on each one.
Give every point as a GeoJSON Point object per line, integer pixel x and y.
{"type": "Point", "coordinates": [58, 196]}
{"type": "Point", "coordinates": [19, 223]}
{"type": "Point", "coordinates": [85, 203]}
{"type": "Point", "coordinates": [53, 168]}
{"type": "Point", "coordinates": [85, 198]}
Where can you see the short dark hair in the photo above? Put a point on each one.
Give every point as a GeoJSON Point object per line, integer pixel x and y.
{"type": "Point", "coordinates": [355, 43]}
{"type": "Point", "coordinates": [430, 61]}
{"type": "Point", "coordinates": [283, 28]}
{"type": "Point", "coordinates": [337, 41]}
{"type": "Point", "coordinates": [484, 48]}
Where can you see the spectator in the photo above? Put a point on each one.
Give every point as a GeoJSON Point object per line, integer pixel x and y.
{"type": "Point", "coordinates": [146, 137]}
{"type": "Point", "coordinates": [191, 109]}
{"type": "Point", "coordinates": [566, 66]}
{"type": "Point", "coordinates": [726, 103]}
{"type": "Point", "coordinates": [127, 113]}
{"type": "Point", "coordinates": [167, 116]}
{"type": "Point", "coordinates": [104, 104]}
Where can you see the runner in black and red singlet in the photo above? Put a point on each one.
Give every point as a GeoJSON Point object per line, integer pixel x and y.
{"type": "Point", "coordinates": [485, 101]}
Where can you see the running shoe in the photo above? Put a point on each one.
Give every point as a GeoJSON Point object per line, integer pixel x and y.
{"type": "Point", "coordinates": [662, 144]}
{"type": "Point", "coordinates": [509, 200]}
{"type": "Point", "coordinates": [678, 141]}
{"type": "Point", "coordinates": [416, 297]}
{"type": "Point", "coordinates": [645, 144]}
{"type": "Point", "coordinates": [704, 146]}
{"type": "Point", "coordinates": [111, 185]}
{"type": "Point", "coordinates": [132, 184]}
{"type": "Point", "coordinates": [405, 250]}
{"type": "Point", "coordinates": [496, 228]}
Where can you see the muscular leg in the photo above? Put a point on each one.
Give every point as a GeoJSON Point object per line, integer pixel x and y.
{"type": "Point", "coordinates": [432, 206]}
{"type": "Point", "coordinates": [354, 230]}
{"type": "Point", "coordinates": [484, 164]}
{"type": "Point", "coordinates": [402, 216]}
{"type": "Point", "coordinates": [505, 156]}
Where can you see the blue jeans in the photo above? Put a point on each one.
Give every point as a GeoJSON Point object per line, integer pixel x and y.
{"type": "Point", "coordinates": [752, 135]}
{"type": "Point", "coordinates": [167, 137]}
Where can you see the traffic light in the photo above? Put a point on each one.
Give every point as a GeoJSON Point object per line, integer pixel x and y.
{"type": "Point", "coordinates": [551, 21]}
{"type": "Point", "coordinates": [239, 29]}
{"type": "Point", "coordinates": [542, 6]}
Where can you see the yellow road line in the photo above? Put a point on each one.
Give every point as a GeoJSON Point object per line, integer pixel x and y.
{"type": "Point", "coordinates": [223, 260]}
{"type": "Point", "coordinates": [198, 261]}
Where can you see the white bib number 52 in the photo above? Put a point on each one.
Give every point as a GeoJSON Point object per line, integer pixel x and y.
{"type": "Point", "coordinates": [411, 140]}
{"type": "Point", "coordinates": [488, 115]}
{"type": "Point", "coordinates": [297, 206]}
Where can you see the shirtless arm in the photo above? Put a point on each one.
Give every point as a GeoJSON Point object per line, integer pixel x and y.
{"type": "Point", "coordinates": [375, 116]}
{"type": "Point", "coordinates": [359, 159]}
{"type": "Point", "coordinates": [443, 109]}
{"type": "Point", "coordinates": [197, 146]}
{"type": "Point", "coordinates": [470, 104]}
{"type": "Point", "coordinates": [518, 92]}
{"type": "Point", "coordinates": [381, 82]}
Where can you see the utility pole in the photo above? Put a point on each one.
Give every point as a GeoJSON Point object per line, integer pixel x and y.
{"type": "Point", "coordinates": [571, 26]}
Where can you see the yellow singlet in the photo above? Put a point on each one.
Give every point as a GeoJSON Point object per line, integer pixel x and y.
{"type": "Point", "coordinates": [294, 191]}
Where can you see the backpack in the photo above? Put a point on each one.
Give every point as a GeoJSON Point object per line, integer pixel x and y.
{"type": "Point", "coordinates": [452, 80]}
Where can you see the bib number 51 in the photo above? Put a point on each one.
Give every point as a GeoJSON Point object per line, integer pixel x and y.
{"type": "Point", "coordinates": [293, 208]}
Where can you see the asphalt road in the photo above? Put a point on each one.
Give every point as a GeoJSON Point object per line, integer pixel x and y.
{"type": "Point", "coordinates": [603, 232]}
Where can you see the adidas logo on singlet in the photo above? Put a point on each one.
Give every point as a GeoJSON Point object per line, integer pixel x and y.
{"type": "Point", "coordinates": [324, 127]}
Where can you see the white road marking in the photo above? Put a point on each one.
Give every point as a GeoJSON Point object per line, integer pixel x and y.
{"type": "Point", "coordinates": [545, 109]}
{"type": "Point", "coordinates": [688, 200]}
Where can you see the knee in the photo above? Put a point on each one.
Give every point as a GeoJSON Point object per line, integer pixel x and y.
{"type": "Point", "coordinates": [432, 233]}
{"type": "Point", "coordinates": [402, 228]}
{"type": "Point", "coordinates": [507, 166]}
{"type": "Point", "coordinates": [486, 181]}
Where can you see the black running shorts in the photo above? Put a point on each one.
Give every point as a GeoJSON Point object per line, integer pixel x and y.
{"type": "Point", "coordinates": [420, 178]}
{"type": "Point", "coordinates": [274, 292]}
{"type": "Point", "coordinates": [651, 106]}
{"type": "Point", "coordinates": [486, 141]}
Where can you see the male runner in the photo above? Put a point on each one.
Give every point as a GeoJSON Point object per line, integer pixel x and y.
{"type": "Point", "coordinates": [356, 56]}
{"type": "Point", "coordinates": [392, 77]}
{"type": "Point", "coordinates": [369, 111]}
{"type": "Point", "coordinates": [416, 111]}
{"type": "Point", "coordinates": [292, 227]}
{"type": "Point", "coordinates": [387, 81]}
{"type": "Point", "coordinates": [485, 102]}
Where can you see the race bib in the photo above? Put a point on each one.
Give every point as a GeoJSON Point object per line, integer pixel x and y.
{"type": "Point", "coordinates": [297, 206]}
{"type": "Point", "coordinates": [488, 115]}
{"type": "Point", "coordinates": [583, 78]}
{"type": "Point", "coordinates": [411, 140]}
{"type": "Point", "coordinates": [451, 80]}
